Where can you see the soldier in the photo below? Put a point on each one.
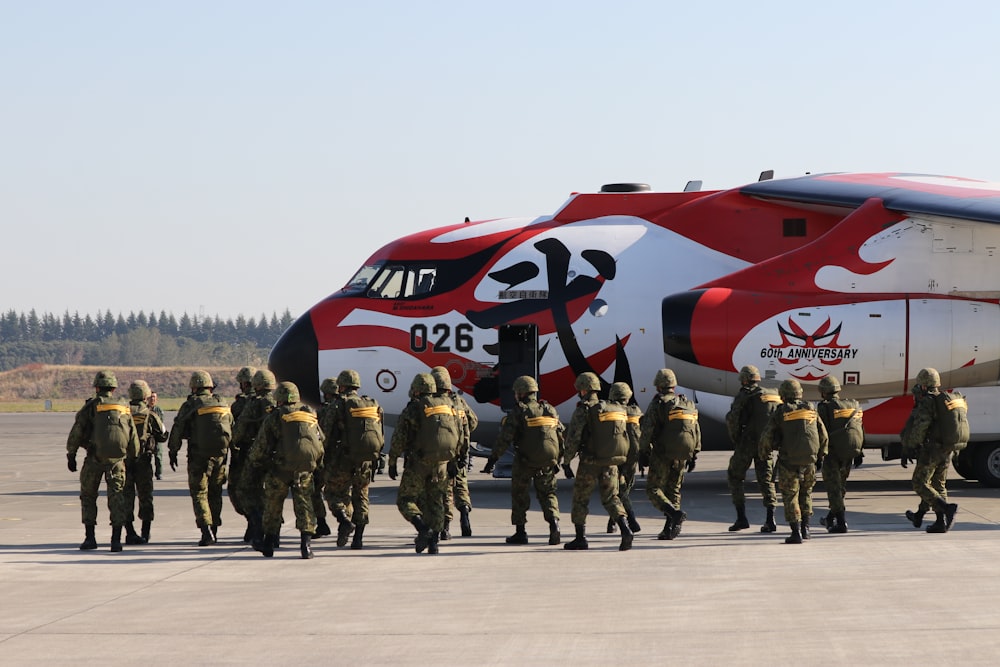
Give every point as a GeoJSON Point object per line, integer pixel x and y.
{"type": "Point", "coordinates": [246, 485]}
{"type": "Point", "coordinates": [598, 433]}
{"type": "Point", "coordinates": [428, 434]}
{"type": "Point", "coordinates": [795, 430]}
{"type": "Point", "coordinates": [139, 475]}
{"type": "Point", "coordinates": [328, 389]}
{"type": "Point", "coordinates": [205, 421]}
{"type": "Point", "coordinates": [287, 450]}
{"type": "Point", "coordinates": [842, 418]}
{"type": "Point", "coordinates": [354, 435]}
{"type": "Point", "coordinates": [534, 430]}
{"type": "Point", "coordinates": [104, 429]}
{"type": "Point", "coordinates": [938, 427]}
{"type": "Point", "coordinates": [671, 440]}
{"type": "Point", "coordinates": [458, 488]}
{"type": "Point", "coordinates": [745, 420]}
{"type": "Point", "coordinates": [152, 404]}
{"type": "Point", "coordinates": [627, 470]}
{"type": "Point", "coordinates": [245, 379]}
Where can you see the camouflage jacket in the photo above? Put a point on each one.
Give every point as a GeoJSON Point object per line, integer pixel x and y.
{"type": "Point", "coordinates": [254, 412]}
{"type": "Point", "coordinates": [577, 424]}
{"type": "Point", "coordinates": [80, 435]}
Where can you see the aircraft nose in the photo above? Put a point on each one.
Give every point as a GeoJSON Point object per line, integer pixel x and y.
{"type": "Point", "coordinates": [295, 358]}
{"type": "Point", "coordinates": [677, 313]}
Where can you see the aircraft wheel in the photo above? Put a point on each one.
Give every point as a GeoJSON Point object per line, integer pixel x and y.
{"type": "Point", "coordinates": [964, 464]}
{"type": "Point", "coordinates": [987, 460]}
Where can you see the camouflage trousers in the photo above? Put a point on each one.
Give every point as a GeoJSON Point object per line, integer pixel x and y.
{"type": "Point", "coordinates": [589, 475]}
{"type": "Point", "coordinates": [422, 493]}
{"type": "Point", "coordinates": [663, 483]}
{"type": "Point", "coordinates": [544, 480]}
{"type": "Point", "coordinates": [206, 477]}
{"type": "Point", "coordinates": [276, 487]}
{"type": "Point", "coordinates": [347, 489]}
{"type": "Point", "coordinates": [319, 483]}
{"type": "Point", "coordinates": [835, 474]}
{"type": "Point", "coordinates": [743, 457]}
{"type": "Point", "coordinates": [250, 490]}
{"type": "Point", "coordinates": [626, 481]}
{"type": "Point", "coordinates": [139, 482]}
{"type": "Point", "coordinates": [237, 466]}
{"type": "Point", "coordinates": [91, 474]}
{"type": "Point", "coordinates": [158, 458]}
{"type": "Point", "coordinates": [929, 476]}
{"type": "Point", "coordinates": [457, 493]}
{"type": "Point", "coordinates": [796, 484]}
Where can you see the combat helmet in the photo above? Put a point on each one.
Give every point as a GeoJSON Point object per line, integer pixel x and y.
{"type": "Point", "coordinates": [286, 392]}
{"type": "Point", "coordinates": [329, 387]}
{"type": "Point", "coordinates": [525, 385]}
{"type": "Point", "coordinates": [349, 378]}
{"type": "Point", "coordinates": [620, 392]}
{"type": "Point", "coordinates": [138, 391]}
{"type": "Point", "coordinates": [201, 380]}
{"type": "Point", "coordinates": [263, 379]}
{"type": "Point", "coordinates": [665, 379]}
{"type": "Point", "coordinates": [929, 377]}
{"type": "Point", "coordinates": [442, 378]}
{"type": "Point", "coordinates": [587, 382]}
{"type": "Point", "coordinates": [749, 374]}
{"type": "Point", "coordinates": [829, 385]}
{"type": "Point", "coordinates": [790, 390]}
{"type": "Point", "coordinates": [105, 380]}
{"type": "Point", "coordinates": [423, 383]}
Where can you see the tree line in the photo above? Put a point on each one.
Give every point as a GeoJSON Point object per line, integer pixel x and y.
{"type": "Point", "coordinates": [138, 339]}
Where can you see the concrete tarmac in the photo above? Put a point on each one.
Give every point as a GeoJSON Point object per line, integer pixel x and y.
{"type": "Point", "coordinates": [885, 593]}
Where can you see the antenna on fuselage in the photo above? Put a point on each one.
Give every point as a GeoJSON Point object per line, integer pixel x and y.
{"type": "Point", "coordinates": [693, 186]}
{"type": "Point", "coordinates": [766, 175]}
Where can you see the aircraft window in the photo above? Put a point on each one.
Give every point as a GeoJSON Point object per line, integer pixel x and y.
{"type": "Point", "coordinates": [362, 278]}
{"type": "Point", "coordinates": [794, 226]}
{"type": "Point", "coordinates": [397, 281]}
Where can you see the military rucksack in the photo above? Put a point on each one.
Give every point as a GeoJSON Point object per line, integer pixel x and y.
{"type": "Point", "coordinates": [842, 418]}
{"type": "Point", "coordinates": [301, 446]}
{"type": "Point", "coordinates": [111, 429]}
{"type": "Point", "coordinates": [799, 433]}
{"type": "Point", "coordinates": [951, 423]}
{"type": "Point", "coordinates": [141, 417]}
{"type": "Point", "coordinates": [363, 437]}
{"type": "Point", "coordinates": [762, 406]}
{"type": "Point", "coordinates": [608, 443]}
{"type": "Point", "coordinates": [539, 445]}
{"type": "Point", "coordinates": [213, 425]}
{"type": "Point", "coordinates": [678, 439]}
{"type": "Point", "coordinates": [440, 433]}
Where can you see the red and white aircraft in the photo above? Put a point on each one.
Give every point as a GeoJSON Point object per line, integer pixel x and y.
{"type": "Point", "coordinates": [864, 277]}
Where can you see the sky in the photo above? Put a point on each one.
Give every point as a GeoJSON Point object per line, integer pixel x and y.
{"type": "Point", "coordinates": [242, 157]}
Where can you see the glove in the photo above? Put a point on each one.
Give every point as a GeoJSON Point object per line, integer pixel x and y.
{"type": "Point", "coordinates": [858, 459]}
{"type": "Point", "coordinates": [690, 464]}
{"type": "Point", "coordinates": [490, 464]}
{"type": "Point", "coordinates": [173, 460]}
{"type": "Point", "coordinates": [567, 471]}
{"type": "Point", "coordinates": [393, 472]}
{"type": "Point", "coordinates": [71, 462]}
{"type": "Point", "coordinates": [452, 469]}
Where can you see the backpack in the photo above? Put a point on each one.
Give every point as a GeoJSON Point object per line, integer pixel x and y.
{"type": "Point", "coordinates": [678, 439]}
{"type": "Point", "coordinates": [440, 432]}
{"type": "Point", "coordinates": [301, 447]}
{"type": "Point", "coordinates": [762, 406]}
{"type": "Point", "coordinates": [951, 423]}
{"type": "Point", "coordinates": [141, 416]}
{"type": "Point", "coordinates": [608, 444]}
{"type": "Point", "coordinates": [111, 430]}
{"type": "Point", "coordinates": [213, 425]}
{"type": "Point", "coordinates": [539, 444]}
{"type": "Point", "coordinates": [799, 433]}
{"type": "Point", "coordinates": [842, 418]}
{"type": "Point", "coordinates": [363, 435]}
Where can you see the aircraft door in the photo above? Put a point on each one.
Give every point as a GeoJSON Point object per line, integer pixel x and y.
{"type": "Point", "coordinates": [518, 352]}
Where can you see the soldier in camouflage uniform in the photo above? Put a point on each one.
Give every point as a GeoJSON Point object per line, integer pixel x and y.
{"type": "Point", "coordinates": [237, 455]}
{"type": "Point", "coordinates": [842, 418]}
{"type": "Point", "coordinates": [151, 403]}
{"type": "Point", "coordinates": [328, 390]}
{"type": "Point", "coordinates": [627, 470]}
{"type": "Point", "coordinates": [800, 438]}
{"type": "Point", "coordinates": [246, 485]}
{"type": "Point", "coordinates": [206, 461]}
{"type": "Point", "coordinates": [139, 475]}
{"type": "Point", "coordinates": [534, 430]}
{"type": "Point", "coordinates": [96, 466]}
{"type": "Point", "coordinates": [668, 452]}
{"type": "Point", "coordinates": [245, 379]}
{"type": "Point", "coordinates": [922, 437]}
{"type": "Point", "coordinates": [593, 471]}
{"type": "Point", "coordinates": [287, 450]}
{"type": "Point", "coordinates": [422, 489]}
{"type": "Point", "coordinates": [739, 424]}
{"type": "Point", "coordinates": [348, 479]}
{"type": "Point", "coordinates": [458, 488]}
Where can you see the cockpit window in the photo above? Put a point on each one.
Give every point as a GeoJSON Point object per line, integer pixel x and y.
{"type": "Point", "coordinates": [361, 279]}
{"type": "Point", "coordinates": [402, 281]}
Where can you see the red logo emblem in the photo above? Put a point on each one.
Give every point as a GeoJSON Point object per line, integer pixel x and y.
{"type": "Point", "coordinates": [811, 354]}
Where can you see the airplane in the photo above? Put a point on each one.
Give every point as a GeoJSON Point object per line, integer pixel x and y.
{"type": "Point", "coordinates": [867, 277]}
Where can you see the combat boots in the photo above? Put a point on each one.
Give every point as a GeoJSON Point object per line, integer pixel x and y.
{"type": "Point", "coordinates": [248, 533]}
{"type": "Point", "coordinates": [949, 514]}
{"type": "Point", "coordinates": [633, 523]}
{"type": "Point", "coordinates": [464, 511]}
{"type": "Point", "coordinates": [344, 527]}
{"type": "Point", "coordinates": [554, 535]}
{"type": "Point", "coordinates": [256, 531]}
{"type": "Point", "coordinates": [267, 545]}
{"type": "Point", "coordinates": [626, 532]}
{"type": "Point", "coordinates": [840, 524]}
{"type": "Point", "coordinates": [145, 530]}
{"type": "Point", "coordinates": [446, 531]}
{"type": "Point", "coordinates": [519, 536]}
{"type": "Point", "coordinates": [741, 519]}
{"type": "Point", "coordinates": [796, 536]}
{"type": "Point", "coordinates": [206, 537]}
{"type": "Point", "coordinates": [432, 546]}
{"type": "Point", "coordinates": [305, 545]}
{"type": "Point", "coordinates": [668, 531]}
{"type": "Point", "coordinates": [769, 525]}
{"type": "Point", "coordinates": [131, 537]}
{"type": "Point", "coordinates": [89, 541]}
{"type": "Point", "coordinates": [214, 529]}
{"type": "Point", "coordinates": [323, 528]}
{"type": "Point", "coordinates": [916, 518]}
{"type": "Point", "coordinates": [804, 528]}
{"type": "Point", "coordinates": [828, 521]}
{"type": "Point", "coordinates": [580, 541]}
{"type": "Point", "coordinates": [359, 532]}
{"type": "Point", "coordinates": [116, 538]}
{"type": "Point", "coordinates": [424, 534]}
{"type": "Point", "coordinates": [611, 524]}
